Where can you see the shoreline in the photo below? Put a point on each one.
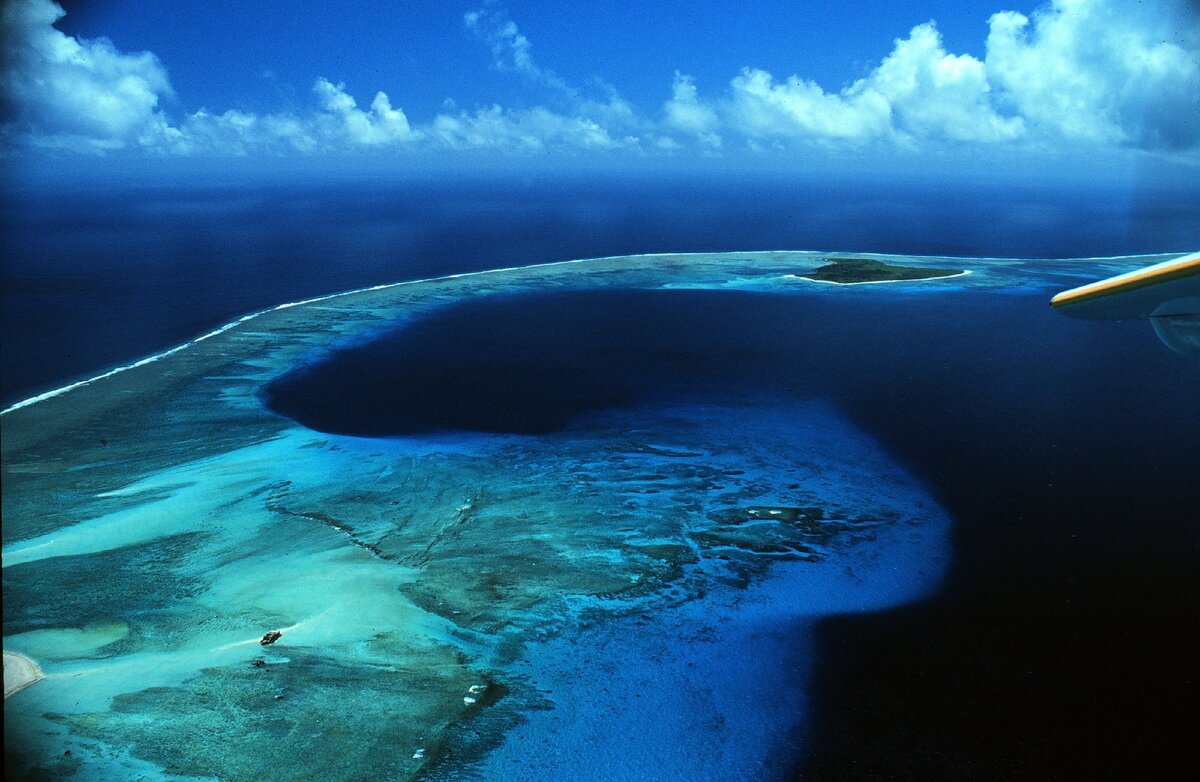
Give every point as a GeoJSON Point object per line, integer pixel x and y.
{"type": "Point", "coordinates": [258, 313]}
{"type": "Point", "coordinates": [20, 672]}
{"type": "Point", "coordinates": [614, 488]}
{"type": "Point", "coordinates": [963, 273]}
{"type": "Point", "coordinates": [482, 272]}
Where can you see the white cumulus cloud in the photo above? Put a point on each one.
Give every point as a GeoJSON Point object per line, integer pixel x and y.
{"type": "Point", "coordinates": [919, 93]}
{"type": "Point", "coordinates": [81, 94]}
{"type": "Point", "coordinates": [1104, 71]}
{"type": "Point", "coordinates": [798, 108]}
{"type": "Point", "coordinates": [575, 121]}
{"type": "Point", "coordinates": [342, 119]}
{"type": "Point", "coordinates": [937, 95]}
{"type": "Point", "coordinates": [511, 51]}
{"type": "Point", "coordinates": [685, 112]}
{"type": "Point", "coordinates": [532, 130]}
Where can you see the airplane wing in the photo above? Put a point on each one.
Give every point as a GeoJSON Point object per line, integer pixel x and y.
{"type": "Point", "coordinates": [1167, 294]}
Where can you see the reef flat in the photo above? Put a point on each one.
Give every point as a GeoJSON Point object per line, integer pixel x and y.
{"type": "Point", "coordinates": [160, 521]}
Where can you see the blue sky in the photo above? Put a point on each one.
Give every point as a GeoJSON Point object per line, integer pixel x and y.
{"type": "Point", "coordinates": [422, 53]}
{"type": "Point", "coordinates": [634, 81]}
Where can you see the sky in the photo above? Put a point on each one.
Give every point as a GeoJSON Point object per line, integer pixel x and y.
{"type": "Point", "coordinates": [694, 84]}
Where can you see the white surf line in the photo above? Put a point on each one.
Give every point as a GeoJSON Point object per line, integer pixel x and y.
{"type": "Point", "coordinates": [866, 254]}
{"type": "Point", "coordinates": [221, 330]}
{"type": "Point", "coordinates": [1095, 257]}
{"type": "Point", "coordinates": [135, 364]}
{"type": "Point", "coordinates": [1010, 258]}
{"type": "Point", "coordinates": [963, 273]}
{"type": "Point", "coordinates": [233, 324]}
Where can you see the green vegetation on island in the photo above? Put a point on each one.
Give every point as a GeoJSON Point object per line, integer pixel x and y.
{"type": "Point", "coordinates": [851, 270]}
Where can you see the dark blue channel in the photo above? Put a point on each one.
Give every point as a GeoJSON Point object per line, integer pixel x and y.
{"type": "Point", "coordinates": [1066, 641]}
{"type": "Point", "coordinates": [97, 277]}
{"type": "Point", "coordinates": [538, 364]}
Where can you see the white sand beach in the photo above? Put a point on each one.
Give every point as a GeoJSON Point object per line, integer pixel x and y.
{"type": "Point", "coordinates": [19, 672]}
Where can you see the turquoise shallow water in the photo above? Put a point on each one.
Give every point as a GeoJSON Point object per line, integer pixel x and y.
{"type": "Point", "coordinates": [713, 687]}
{"type": "Point", "coordinates": [629, 594]}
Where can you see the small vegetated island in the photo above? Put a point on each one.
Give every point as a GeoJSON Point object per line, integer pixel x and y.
{"type": "Point", "coordinates": [852, 270]}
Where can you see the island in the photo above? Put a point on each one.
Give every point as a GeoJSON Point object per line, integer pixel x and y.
{"type": "Point", "coordinates": [850, 271]}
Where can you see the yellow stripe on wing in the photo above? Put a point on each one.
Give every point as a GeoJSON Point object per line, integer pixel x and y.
{"type": "Point", "coordinates": [1173, 270]}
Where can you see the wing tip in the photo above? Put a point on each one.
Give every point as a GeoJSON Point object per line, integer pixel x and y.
{"type": "Point", "coordinates": [1176, 268]}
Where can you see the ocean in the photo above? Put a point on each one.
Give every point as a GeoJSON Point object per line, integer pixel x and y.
{"type": "Point", "coordinates": [1055, 634]}
{"type": "Point", "coordinates": [94, 277]}
{"type": "Point", "coordinates": [1067, 454]}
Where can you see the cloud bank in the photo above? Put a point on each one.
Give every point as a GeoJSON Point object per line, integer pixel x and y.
{"type": "Point", "coordinates": [56, 90]}
{"type": "Point", "coordinates": [1105, 73]}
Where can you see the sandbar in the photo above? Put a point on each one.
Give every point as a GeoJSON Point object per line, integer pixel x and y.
{"type": "Point", "coordinates": [19, 672]}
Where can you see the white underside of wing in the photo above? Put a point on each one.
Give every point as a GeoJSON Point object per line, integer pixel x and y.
{"type": "Point", "coordinates": [1168, 294]}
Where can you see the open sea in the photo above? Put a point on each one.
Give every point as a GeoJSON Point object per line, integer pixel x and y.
{"type": "Point", "coordinates": [1054, 629]}
{"type": "Point", "coordinates": [92, 277]}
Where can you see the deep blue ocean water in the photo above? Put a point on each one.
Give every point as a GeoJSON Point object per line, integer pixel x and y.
{"type": "Point", "coordinates": [1067, 452]}
{"type": "Point", "coordinates": [94, 277]}
{"type": "Point", "coordinates": [1066, 639]}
